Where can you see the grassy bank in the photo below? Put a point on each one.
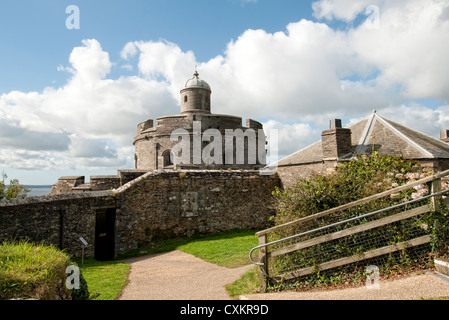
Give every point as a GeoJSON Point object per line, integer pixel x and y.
{"type": "Point", "coordinates": [32, 271]}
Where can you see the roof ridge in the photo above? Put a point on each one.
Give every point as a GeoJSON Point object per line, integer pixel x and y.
{"type": "Point", "coordinates": [404, 137]}
{"type": "Point", "coordinates": [366, 134]}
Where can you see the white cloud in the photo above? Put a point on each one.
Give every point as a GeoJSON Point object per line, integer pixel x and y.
{"type": "Point", "coordinates": [162, 61]}
{"type": "Point", "coordinates": [409, 49]}
{"type": "Point", "coordinates": [32, 160]}
{"type": "Point", "coordinates": [345, 10]}
{"type": "Point", "coordinates": [421, 118]}
{"type": "Point", "coordinates": [300, 78]}
{"type": "Point", "coordinates": [90, 62]}
{"type": "Point", "coordinates": [291, 137]}
{"type": "Point", "coordinates": [91, 117]}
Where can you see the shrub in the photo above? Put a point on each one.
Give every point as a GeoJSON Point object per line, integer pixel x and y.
{"type": "Point", "coordinates": [83, 292]}
{"type": "Point", "coordinates": [356, 179]}
{"type": "Point", "coordinates": [351, 181]}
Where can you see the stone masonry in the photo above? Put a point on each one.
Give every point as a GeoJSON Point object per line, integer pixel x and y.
{"type": "Point", "coordinates": [153, 206]}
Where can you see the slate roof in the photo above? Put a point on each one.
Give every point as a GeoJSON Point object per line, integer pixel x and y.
{"type": "Point", "coordinates": [382, 134]}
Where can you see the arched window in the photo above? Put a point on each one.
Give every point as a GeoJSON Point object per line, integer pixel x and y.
{"type": "Point", "coordinates": [168, 158]}
{"type": "Point", "coordinates": [186, 99]}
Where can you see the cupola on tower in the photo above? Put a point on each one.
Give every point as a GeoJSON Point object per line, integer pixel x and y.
{"type": "Point", "coordinates": [195, 95]}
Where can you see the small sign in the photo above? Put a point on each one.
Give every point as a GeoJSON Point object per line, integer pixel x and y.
{"type": "Point", "coordinates": [83, 241]}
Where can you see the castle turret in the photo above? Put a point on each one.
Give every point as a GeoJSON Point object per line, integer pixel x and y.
{"type": "Point", "coordinates": [204, 143]}
{"type": "Point", "coordinates": [195, 95]}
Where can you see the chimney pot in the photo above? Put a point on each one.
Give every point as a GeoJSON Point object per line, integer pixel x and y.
{"type": "Point", "coordinates": [444, 135]}
{"type": "Point", "coordinates": [336, 123]}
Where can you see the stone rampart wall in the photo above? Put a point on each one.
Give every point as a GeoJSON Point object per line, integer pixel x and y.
{"type": "Point", "coordinates": [173, 204]}
{"type": "Point", "coordinates": [58, 219]}
{"type": "Point", "coordinates": [153, 206]}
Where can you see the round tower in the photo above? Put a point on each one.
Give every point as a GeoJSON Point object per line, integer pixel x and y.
{"type": "Point", "coordinates": [195, 95]}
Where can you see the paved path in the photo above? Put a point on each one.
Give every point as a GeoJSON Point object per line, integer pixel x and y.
{"type": "Point", "coordinates": [427, 285]}
{"type": "Point", "coordinates": [179, 276]}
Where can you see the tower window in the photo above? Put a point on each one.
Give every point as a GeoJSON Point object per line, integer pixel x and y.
{"type": "Point", "coordinates": [185, 99]}
{"type": "Point", "coordinates": [168, 158]}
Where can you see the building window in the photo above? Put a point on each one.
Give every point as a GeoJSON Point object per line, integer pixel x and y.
{"type": "Point", "coordinates": [185, 99]}
{"type": "Point", "coordinates": [168, 158]}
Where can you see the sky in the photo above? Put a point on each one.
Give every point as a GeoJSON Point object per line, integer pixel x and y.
{"type": "Point", "coordinates": [76, 77]}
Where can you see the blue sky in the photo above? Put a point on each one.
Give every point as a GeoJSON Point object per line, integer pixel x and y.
{"type": "Point", "coordinates": [70, 99]}
{"type": "Point", "coordinates": [35, 39]}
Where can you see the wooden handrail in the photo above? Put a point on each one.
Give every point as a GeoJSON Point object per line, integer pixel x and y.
{"type": "Point", "coordinates": [350, 231]}
{"type": "Point", "coordinates": [347, 260]}
{"type": "Point", "coordinates": [355, 203]}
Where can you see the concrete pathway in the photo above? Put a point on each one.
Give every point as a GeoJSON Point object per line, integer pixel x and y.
{"type": "Point", "coordinates": [180, 276]}
{"type": "Point", "coordinates": [426, 285]}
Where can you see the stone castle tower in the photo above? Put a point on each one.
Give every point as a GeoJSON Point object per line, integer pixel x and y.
{"type": "Point", "coordinates": [208, 141]}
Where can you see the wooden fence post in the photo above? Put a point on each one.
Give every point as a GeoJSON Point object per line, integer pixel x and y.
{"type": "Point", "coordinates": [436, 187]}
{"type": "Point", "coordinates": [263, 270]}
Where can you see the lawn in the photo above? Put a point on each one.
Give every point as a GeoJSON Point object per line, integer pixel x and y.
{"type": "Point", "coordinates": [105, 279]}
{"type": "Point", "coordinates": [229, 249]}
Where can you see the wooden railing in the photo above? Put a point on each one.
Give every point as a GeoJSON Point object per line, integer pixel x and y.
{"type": "Point", "coordinates": [264, 245]}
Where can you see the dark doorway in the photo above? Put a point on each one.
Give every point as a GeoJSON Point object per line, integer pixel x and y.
{"type": "Point", "coordinates": [104, 234]}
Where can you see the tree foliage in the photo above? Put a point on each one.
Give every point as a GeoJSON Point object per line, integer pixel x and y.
{"type": "Point", "coordinates": [13, 190]}
{"type": "Point", "coordinates": [353, 180]}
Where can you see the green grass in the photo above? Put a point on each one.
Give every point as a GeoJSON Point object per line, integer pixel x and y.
{"type": "Point", "coordinates": [31, 270]}
{"type": "Point", "coordinates": [228, 249]}
{"type": "Point", "coordinates": [248, 283]}
{"type": "Point", "coordinates": [105, 279]}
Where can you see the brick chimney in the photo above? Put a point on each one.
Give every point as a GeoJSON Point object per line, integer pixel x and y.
{"type": "Point", "coordinates": [336, 142]}
{"type": "Point", "coordinates": [444, 135]}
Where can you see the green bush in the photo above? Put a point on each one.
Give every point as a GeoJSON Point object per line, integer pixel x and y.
{"type": "Point", "coordinates": [83, 292]}
{"type": "Point", "coordinates": [353, 180]}
{"type": "Point", "coordinates": [438, 223]}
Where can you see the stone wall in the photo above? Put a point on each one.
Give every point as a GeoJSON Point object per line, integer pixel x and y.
{"type": "Point", "coordinates": [173, 204]}
{"type": "Point", "coordinates": [289, 174]}
{"type": "Point", "coordinates": [59, 219]}
{"type": "Point", "coordinates": [77, 184]}
{"type": "Point", "coordinates": [66, 184]}
{"type": "Point", "coordinates": [152, 143]}
{"type": "Point", "coordinates": [153, 206]}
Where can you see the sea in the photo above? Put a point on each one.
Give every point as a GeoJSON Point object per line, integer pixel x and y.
{"type": "Point", "coordinates": [38, 190]}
